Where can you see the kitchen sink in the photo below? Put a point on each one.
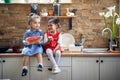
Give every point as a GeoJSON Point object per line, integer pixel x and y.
{"type": "Point", "coordinates": [95, 50]}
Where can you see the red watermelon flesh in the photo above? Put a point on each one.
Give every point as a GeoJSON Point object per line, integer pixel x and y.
{"type": "Point", "coordinates": [33, 39]}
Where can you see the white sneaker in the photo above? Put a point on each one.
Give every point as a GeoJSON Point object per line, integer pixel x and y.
{"type": "Point", "coordinates": [56, 70]}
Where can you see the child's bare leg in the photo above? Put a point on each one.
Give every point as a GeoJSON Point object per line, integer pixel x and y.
{"type": "Point", "coordinates": [39, 59]}
{"type": "Point", "coordinates": [25, 63]}
{"type": "Point", "coordinates": [25, 60]}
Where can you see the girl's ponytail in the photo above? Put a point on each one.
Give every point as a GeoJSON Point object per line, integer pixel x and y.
{"type": "Point", "coordinates": [31, 16]}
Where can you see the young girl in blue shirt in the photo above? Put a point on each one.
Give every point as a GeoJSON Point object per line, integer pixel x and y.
{"type": "Point", "coordinates": [35, 48]}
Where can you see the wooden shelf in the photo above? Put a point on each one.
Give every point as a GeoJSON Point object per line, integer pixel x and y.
{"type": "Point", "coordinates": [36, 1]}
{"type": "Point", "coordinates": [59, 16]}
{"type": "Point", "coordinates": [32, 3]}
{"type": "Point", "coordinates": [68, 17]}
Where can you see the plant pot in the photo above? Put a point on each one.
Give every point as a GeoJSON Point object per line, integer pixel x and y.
{"type": "Point", "coordinates": [7, 1]}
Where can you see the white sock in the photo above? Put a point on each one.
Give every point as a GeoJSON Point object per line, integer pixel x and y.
{"type": "Point", "coordinates": [40, 64]}
{"type": "Point", "coordinates": [25, 67]}
{"type": "Point", "coordinates": [50, 55]}
{"type": "Point", "coordinates": [58, 56]}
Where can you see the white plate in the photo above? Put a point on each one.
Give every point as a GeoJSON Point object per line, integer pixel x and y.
{"type": "Point", "coordinates": [67, 39]}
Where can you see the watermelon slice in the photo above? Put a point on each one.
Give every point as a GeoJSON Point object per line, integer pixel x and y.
{"type": "Point", "coordinates": [33, 39]}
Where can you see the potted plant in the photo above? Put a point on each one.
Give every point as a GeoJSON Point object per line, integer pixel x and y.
{"type": "Point", "coordinates": [113, 24]}
{"type": "Point", "coordinates": [7, 1]}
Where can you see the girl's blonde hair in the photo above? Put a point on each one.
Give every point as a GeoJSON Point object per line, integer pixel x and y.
{"type": "Point", "coordinates": [32, 16]}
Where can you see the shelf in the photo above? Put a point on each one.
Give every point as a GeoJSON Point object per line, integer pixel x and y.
{"type": "Point", "coordinates": [34, 1]}
{"type": "Point", "coordinates": [69, 17]}
{"type": "Point", "coordinates": [59, 16]}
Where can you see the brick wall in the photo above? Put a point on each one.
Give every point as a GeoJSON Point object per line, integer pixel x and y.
{"type": "Point", "coordinates": [13, 21]}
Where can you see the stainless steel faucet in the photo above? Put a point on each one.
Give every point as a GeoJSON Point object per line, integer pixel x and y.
{"type": "Point", "coordinates": [110, 43]}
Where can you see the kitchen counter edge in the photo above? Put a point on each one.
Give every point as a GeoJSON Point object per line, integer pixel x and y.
{"type": "Point", "coordinates": [67, 54]}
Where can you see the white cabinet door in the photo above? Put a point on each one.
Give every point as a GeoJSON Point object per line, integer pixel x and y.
{"type": "Point", "coordinates": [65, 66]}
{"type": "Point", "coordinates": [1, 71]}
{"type": "Point", "coordinates": [12, 68]}
{"type": "Point", "coordinates": [110, 68]}
{"type": "Point", "coordinates": [34, 74]}
{"type": "Point", "coordinates": [65, 61]}
{"type": "Point", "coordinates": [85, 68]}
{"type": "Point", "coordinates": [65, 74]}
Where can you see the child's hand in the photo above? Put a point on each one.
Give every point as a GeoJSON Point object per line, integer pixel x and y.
{"type": "Point", "coordinates": [50, 38]}
{"type": "Point", "coordinates": [30, 43]}
{"type": "Point", "coordinates": [54, 50]}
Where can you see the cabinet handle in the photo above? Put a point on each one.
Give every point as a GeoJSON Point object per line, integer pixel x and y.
{"type": "Point", "coordinates": [3, 61]}
{"type": "Point", "coordinates": [48, 59]}
{"type": "Point", "coordinates": [97, 61]}
{"type": "Point", "coordinates": [101, 61]}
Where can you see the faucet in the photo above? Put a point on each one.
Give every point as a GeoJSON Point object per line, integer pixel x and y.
{"type": "Point", "coordinates": [110, 43]}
